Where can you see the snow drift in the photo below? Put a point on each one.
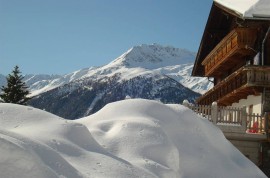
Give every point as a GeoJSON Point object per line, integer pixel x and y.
{"type": "Point", "coordinates": [130, 138]}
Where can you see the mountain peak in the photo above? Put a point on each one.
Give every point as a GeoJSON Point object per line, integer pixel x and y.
{"type": "Point", "coordinates": [154, 56]}
{"type": "Point", "coordinates": [142, 60]}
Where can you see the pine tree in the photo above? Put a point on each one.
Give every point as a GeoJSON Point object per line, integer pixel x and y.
{"type": "Point", "coordinates": [16, 90]}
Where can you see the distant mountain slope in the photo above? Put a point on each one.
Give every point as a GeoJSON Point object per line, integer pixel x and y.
{"type": "Point", "coordinates": [86, 96]}
{"type": "Point", "coordinates": [153, 57]}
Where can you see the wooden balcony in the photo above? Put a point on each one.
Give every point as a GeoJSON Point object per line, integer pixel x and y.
{"type": "Point", "coordinates": [248, 80]}
{"type": "Point", "coordinates": [230, 51]}
{"type": "Point", "coordinates": [235, 123]}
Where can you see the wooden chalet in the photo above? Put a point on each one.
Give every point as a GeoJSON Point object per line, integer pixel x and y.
{"type": "Point", "coordinates": [234, 54]}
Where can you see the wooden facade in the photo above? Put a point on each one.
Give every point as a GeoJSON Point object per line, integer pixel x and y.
{"type": "Point", "coordinates": [234, 53]}
{"type": "Point", "coordinates": [248, 80]}
{"type": "Point", "coordinates": [238, 44]}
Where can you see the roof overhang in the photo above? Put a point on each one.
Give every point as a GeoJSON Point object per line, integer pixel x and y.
{"type": "Point", "coordinates": [222, 14]}
{"type": "Point", "coordinates": [216, 26]}
{"type": "Point", "coordinates": [247, 9]}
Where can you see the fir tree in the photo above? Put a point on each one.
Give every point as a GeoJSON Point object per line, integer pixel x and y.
{"type": "Point", "coordinates": [16, 90]}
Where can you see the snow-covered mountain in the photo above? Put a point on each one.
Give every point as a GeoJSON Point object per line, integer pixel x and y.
{"type": "Point", "coordinates": [139, 60]}
{"type": "Point", "coordinates": [147, 71]}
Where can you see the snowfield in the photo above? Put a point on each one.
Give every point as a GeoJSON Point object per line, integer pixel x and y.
{"type": "Point", "coordinates": [125, 139]}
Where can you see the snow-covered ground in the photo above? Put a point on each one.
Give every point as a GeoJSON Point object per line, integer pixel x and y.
{"type": "Point", "coordinates": [130, 138]}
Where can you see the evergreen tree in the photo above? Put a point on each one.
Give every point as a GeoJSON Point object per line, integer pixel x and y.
{"type": "Point", "coordinates": [16, 90]}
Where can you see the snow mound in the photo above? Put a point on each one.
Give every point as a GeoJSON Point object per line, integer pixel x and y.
{"type": "Point", "coordinates": [34, 143]}
{"type": "Point", "coordinates": [130, 138]}
{"type": "Point", "coordinates": [167, 140]}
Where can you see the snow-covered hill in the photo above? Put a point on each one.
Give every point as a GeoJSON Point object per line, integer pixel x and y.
{"type": "Point", "coordinates": [130, 138]}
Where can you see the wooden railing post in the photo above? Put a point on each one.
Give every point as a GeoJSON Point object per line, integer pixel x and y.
{"type": "Point", "coordinates": [214, 112]}
{"type": "Point", "coordinates": [244, 117]}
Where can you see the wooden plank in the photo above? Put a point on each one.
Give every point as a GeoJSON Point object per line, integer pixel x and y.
{"type": "Point", "coordinates": [234, 41]}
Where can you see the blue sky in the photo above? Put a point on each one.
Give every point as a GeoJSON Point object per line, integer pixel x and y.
{"type": "Point", "coordinates": [61, 36]}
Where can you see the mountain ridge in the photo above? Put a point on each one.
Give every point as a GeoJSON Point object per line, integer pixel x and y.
{"type": "Point", "coordinates": [147, 71]}
{"type": "Point", "coordinates": [145, 59]}
{"type": "Point", "coordinates": [86, 96]}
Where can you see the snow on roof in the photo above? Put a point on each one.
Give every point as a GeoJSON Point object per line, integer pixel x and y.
{"type": "Point", "coordinates": [248, 9]}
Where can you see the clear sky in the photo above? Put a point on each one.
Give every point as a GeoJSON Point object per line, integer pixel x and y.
{"type": "Point", "coordinates": [61, 36]}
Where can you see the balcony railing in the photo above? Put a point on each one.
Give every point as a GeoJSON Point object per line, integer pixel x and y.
{"type": "Point", "coordinates": [238, 42]}
{"type": "Point", "coordinates": [240, 84]}
{"type": "Point", "coordinates": [234, 121]}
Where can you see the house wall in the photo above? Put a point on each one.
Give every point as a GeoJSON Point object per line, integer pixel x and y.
{"type": "Point", "coordinates": [256, 101]}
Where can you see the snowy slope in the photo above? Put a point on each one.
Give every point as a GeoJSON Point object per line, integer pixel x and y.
{"type": "Point", "coordinates": [153, 57]}
{"type": "Point", "coordinates": [141, 60]}
{"type": "Point", "coordinates": [86, 96]}
{"type": "Point", "coordinates": [42, 83]}
{"type": "Point", "coordinates": [130, 138]}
